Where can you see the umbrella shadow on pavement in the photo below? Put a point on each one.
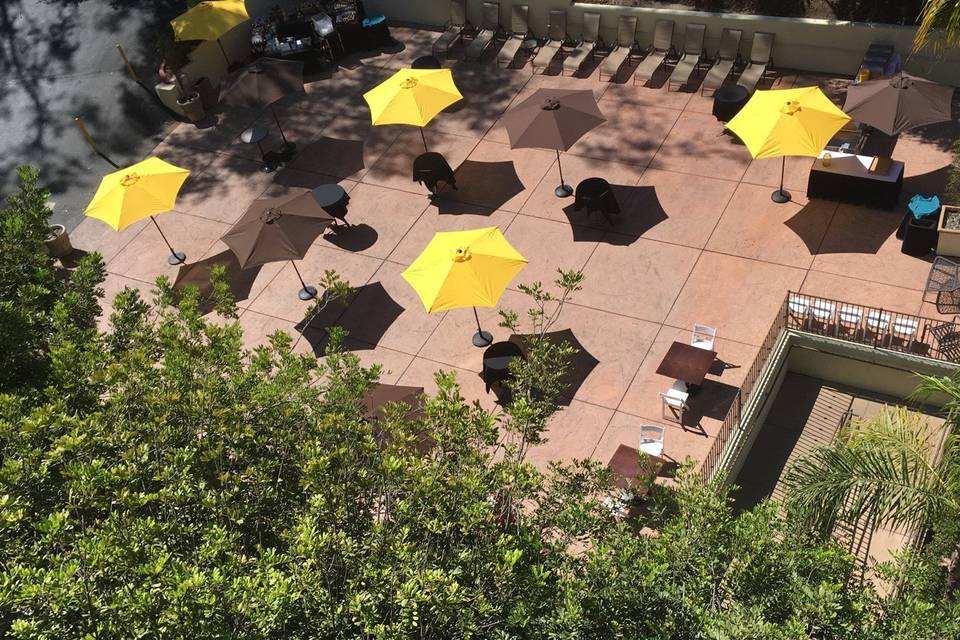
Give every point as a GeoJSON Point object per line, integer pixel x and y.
{"type": "Point", "coordinates": [197, 274]}
{"type": "Point", "coordinates": [367, 317]}
{"type": "Point", "coordinates": [486, 184]}
{"type": "Point", "coordinates": [640, 211]}
{"type": "Point", "coordinates": [582, 363]}
{"type": "Point", "coordinates": [331, 156]}
{"type": "Point", "coordinates": [356, 237]}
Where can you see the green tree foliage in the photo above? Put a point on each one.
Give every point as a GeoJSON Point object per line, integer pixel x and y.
{"type": "Point", "coordinates": [939, 24]}
{"type": "Point", "coordinates": [158, 480]}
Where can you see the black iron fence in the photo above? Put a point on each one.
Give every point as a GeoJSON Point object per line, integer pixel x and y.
{"type": "Point", "coordinates": [871, 326]}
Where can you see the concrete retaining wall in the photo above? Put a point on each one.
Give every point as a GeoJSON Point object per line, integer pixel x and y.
{"type": "Point", "coordinates": [813, 45]}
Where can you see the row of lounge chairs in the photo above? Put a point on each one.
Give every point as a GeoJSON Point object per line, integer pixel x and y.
{"type": "Point", "coordinates": [691, 57]}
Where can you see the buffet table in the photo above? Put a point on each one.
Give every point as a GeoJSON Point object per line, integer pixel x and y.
{"type": "Point", "coordinates": [847, 178]}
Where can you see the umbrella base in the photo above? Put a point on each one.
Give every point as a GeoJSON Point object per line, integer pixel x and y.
{"type": "Point", "coordinates": [482, 339]}
{"type": "Point", "coordinates": [563, 191]}
{"type": "Point", "coordinates": [175, 258]}
{"type": "Point", "coordinates": [781, 196]}
{"type": "Point", "coordinates": [307, 293]}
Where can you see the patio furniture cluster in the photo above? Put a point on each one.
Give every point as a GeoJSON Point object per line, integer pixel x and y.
{"type": "Point", "coordinates": [452, 262]}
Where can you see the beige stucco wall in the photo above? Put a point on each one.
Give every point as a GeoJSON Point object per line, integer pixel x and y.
{"type": "Point", "coordinates": [813, 45]}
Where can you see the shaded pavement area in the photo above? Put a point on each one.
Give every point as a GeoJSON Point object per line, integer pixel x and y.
{"type": "Point", "coordinates": [58, 59]}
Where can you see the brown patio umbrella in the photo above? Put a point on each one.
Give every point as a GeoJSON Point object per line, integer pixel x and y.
{"type": "Point", "coordinates": [898, 104]}
{"type": "Point", "coordinates": [553, 119]}
{"type": "Point", "coordinates": [260, 84]}
{"type": "Point", "coordinates": [275, 229]}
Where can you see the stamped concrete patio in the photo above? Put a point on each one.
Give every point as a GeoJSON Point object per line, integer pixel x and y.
{"type": "Point", "coordinates": [699, 240]}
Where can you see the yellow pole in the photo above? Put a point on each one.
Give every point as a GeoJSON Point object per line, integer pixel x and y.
{"type": "Point", "coordinates": [89, 139]}
{"type": "Point", "coordinates": [86, 134]}
{"type": "Point", "coordinates": [126, 61]}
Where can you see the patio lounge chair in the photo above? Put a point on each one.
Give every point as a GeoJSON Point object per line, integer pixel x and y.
{"type": "Point", "coordinates": [662, 47]}
{"type": "Point", "coordinates": [589, 39]}
{"type": "Point", "coordinates": [626, 39]}
{"type": "Point", "coordinates": [692, 55]}
{"type": "Point", "coordinates": [556, 35]}
{"type": "Point", "coordinates": [455, 28]}
{"type": "Point", "coordinates": [488, 30]}
{"type": "Point", "coordinates": [761, 56]}
{"type": "Point", "coordinates": [519, 31]}
{"type": "Point", "coordinates": [727, 56]}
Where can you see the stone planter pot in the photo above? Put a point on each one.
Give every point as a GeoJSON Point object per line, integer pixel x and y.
{"type": "Point", "coordinates": [948, 238]}
{"type": "Point", "coordinates": [191, 106]}
{"type": "Point", "coordinates": [58, 241]}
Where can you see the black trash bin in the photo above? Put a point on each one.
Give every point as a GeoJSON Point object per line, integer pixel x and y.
{"type": "Point", "coordinates": [919, 236]}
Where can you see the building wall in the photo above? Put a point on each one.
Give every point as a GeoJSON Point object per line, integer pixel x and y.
{"type": "Point", "coordinates": [814, 45]}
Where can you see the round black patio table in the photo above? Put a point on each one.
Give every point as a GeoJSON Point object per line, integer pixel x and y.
{"type": "Point", "coordinates": [728, 100]}
{"type": "Point", "coordinates": [333, 199]}
{"type": "Point", "coordinates": [496, 362]}
{"type": "Point", "coordinates": [430, 168]}
{"type": "Point", "coordinates": [255, 135]}
{"type": "Point", "coordinates": [595, 194]}
{"type": "Point", "coordinates": [426, 62]}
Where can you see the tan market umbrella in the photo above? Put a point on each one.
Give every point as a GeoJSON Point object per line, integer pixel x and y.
{"type": "Point", "coordinates": [277, 229]}
{"type": "Point", "coordinates": [898, 104]}
{"type": "Point", "coordinates": [553, 119]}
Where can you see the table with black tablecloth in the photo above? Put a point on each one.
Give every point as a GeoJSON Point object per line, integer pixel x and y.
{"type": "Point", "coordinates": [595, 194]}
{"type": "Point", "coordinates": [847, 179]}
{"type": "Point", "coordinates": [728, 100]}
{"type": "Point", "coordinates": [430, 168]}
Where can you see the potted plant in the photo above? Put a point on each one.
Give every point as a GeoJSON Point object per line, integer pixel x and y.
{"type": "Point", "coordinates": [58, 241]}
{"type": "Point", "coordinates": [948, 230]}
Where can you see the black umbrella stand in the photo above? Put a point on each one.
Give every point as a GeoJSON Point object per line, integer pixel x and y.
{"type": "Point", "coordinates": [176, 257]}
{"type": "Point", "coordinates": [288, 147]}
{"type": "Point", "coordinates": [481, 338]}
{"type": "Point", "coordinates": [564, 190]}
{"type": "Point", "coordinates": [781, 196]}
{"type": "Point", "coordinates": [306, 292]}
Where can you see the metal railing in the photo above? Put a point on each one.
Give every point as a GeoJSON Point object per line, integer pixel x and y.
{"type": "Point", "coordinates": [874, 327]}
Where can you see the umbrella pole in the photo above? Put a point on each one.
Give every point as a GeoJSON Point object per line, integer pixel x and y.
{"type": "Point", "coordinates": [424, 140]}
{"type": "Point", "coordinates": [780, 196]}
{"type": "Point", "coordinates": [481, 338]}
{"type": "Point", "coordinates": [306, 292]}
{"type": "Point", "coordinates": [564, 190]}
{"type": "Point", "coordinates": [287, 145]}
{"type": "Point", "coordinates": [176, 257]}
{"type": "Point", "coordinates": [224, 52]}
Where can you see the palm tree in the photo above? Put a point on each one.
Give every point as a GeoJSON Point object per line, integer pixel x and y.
{"type": "Point", "coordinates": [938, 15]}
{"type": "Point", "coordinates": [885, 471]}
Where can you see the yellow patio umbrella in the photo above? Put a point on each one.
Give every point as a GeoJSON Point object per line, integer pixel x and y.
{"type": "Point", "coordinates": [208, 20]}
{"type": "Point", "coordinates": [465, 269]}
{"type": "Point", "coordinates": [412, 96]}
{"type": "Point", "coordinates": [787, 122]}
{"type": "Point", "coordinates": [137, 192]}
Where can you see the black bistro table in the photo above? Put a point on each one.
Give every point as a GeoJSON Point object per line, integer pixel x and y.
{"type": "Point", "coordinates": [333, 199]}
{"type": "Point", "coordinates": [430, 168]}
{"type": "Point", "coordinates": [595, 194]}
{"type": "Point", "coordinates": [255, 135]}
{"type": "Point", "coordinates": [426, 62]}
{"type": "Point", "coordinates": [847, 179]}
{"type": "Point", "coordinates": [496, 362]}
{"type": "Point", "coordinates": [728, 100]}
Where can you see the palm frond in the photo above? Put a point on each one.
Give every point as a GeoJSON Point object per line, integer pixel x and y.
{"type": "Point", "coordinates": [883, 467]}
{"type": "Point", "coordinates": [939, 25]}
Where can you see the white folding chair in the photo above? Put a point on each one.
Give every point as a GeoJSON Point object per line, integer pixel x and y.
{"type": "Point", "coordinates": [703, 337]}
{"type": "Point", "coordinates": [878, 322]}
{"type": "Point", "coordinates": [905, 329]}
{"type": "Point", "coordinates": [674, 402]}
{"type": "Point", "coordinates": [849, 318]}
{"type": "Point", "coordinates": [798, 307]}
{"type": "Point", "coordinates": [651, 439]}
{"type": "Point", "coordinates": [822, 311]}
